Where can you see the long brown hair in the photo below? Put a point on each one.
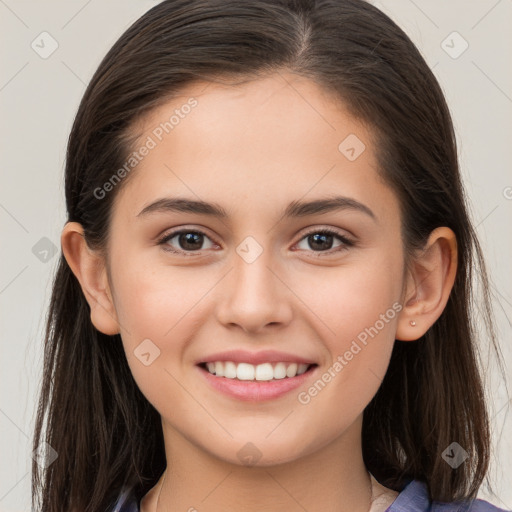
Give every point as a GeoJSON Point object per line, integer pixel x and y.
{"type": "Point", "coordinates": [91, 412]}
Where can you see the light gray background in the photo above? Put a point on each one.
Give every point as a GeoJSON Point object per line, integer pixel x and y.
{"type": "Point", "coordinates": [39, 98]}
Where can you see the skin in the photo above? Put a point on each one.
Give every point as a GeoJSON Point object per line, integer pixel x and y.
{"type": "Point", "coordinates": [254, 148]}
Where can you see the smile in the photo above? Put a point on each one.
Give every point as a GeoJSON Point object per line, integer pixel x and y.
{"type": "Point", "coordinates": [255, 383]}
{"type": "Point", "coordinates": [260, 372]}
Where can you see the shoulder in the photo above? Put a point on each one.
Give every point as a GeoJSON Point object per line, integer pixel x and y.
{"type": "Point", "coordinates": [414, 498]}
{"type": "Point", "coordinates": [126, 502]}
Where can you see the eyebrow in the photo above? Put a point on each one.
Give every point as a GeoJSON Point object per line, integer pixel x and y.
{"type": "Point", "coordinates": [294, 209]}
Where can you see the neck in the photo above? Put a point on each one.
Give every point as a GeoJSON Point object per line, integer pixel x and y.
{"type": "Point", "coordinates": [330, 478]}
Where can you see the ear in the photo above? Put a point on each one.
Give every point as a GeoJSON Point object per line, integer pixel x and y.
{"type": "Point", "coordinates": [428, 285]}
{"type": "Point", "coordinates": [90, 270]}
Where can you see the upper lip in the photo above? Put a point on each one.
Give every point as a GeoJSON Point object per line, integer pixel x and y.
{"type": "Point", "coordinates": [264, 356]}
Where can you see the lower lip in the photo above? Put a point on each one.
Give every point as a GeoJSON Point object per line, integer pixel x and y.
{"type": "Point", "coordinates": [256, 391]}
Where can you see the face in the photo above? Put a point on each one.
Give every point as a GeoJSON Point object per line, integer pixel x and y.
{"type": "Point", "coordinates": [271, 282]}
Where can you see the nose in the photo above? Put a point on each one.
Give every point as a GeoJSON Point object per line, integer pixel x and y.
{"type": "Point", "coordinates": [254, 295]}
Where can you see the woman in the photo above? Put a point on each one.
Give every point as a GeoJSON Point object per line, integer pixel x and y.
{"type": "Point", "coordinates": [317, 352]}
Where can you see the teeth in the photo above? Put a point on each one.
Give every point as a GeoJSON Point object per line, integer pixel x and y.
{"type": "Point", "coordinates": [230, 370]}
{"type": "Point", "coordinates": [291, 371]}
{"type": "Point", "coordinates": [301, 369]}
{"type": "Point", "coordinates": [246, 371]}
{"type": "Point", "coordinates": [219, 369]}
{"type": "Point", "coordinates": [280, 371]}
{"type": "Point", "coordinates": [263, 371]}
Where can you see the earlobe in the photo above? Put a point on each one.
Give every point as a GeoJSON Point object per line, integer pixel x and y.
{"type": "Point", "coordinates": [89, 268]}
{"type": "Point", "coordinates": [429, 283]}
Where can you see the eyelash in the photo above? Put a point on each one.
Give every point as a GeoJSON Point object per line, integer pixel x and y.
{"type": "Point", "coordinates": [325, 231]}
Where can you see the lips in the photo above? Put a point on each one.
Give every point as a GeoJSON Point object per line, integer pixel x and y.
{"type": "Point", "coordinates": [256, 358]}
{"type": "Point", "coordinates": [256, 391]}
{"type": "Point", "coordinates": [256, 376]}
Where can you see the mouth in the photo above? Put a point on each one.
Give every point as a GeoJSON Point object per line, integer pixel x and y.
{"type": "Point", "coordinates": [250, 372]}
{"type": "Point", "coordinates": [255, 383]}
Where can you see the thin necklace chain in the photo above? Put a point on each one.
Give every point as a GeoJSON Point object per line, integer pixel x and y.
{"type": "Point", "coordinates": [369, 510]}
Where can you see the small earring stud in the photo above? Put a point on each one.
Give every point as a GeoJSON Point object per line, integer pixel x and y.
{"type": "Point", "coordinates": [412, 322]}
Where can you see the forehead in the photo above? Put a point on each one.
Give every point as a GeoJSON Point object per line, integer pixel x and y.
{"type": "Point", "coordinates": [275, 138]}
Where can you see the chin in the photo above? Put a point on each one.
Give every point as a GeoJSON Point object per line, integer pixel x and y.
{"type": "Point", "coordinates": [260, 452]}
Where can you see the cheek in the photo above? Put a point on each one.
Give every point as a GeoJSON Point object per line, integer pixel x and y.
{"type": "Point", "coordinates": [351, 298]}
{"type": "Point", "coordinates": [355, 309]}
{"type": "Point", "coordinates": [361, 306]}
{"type": "Point", "coordinates": [153, 301]}
{"type": "Point", "coordinates": [160, 309]}
{"type": "Point", "coordinates": [156, 315]}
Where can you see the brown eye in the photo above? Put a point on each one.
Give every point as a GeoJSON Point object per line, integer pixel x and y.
{"type": "Point", "coordinates": [321, 241]}
{"type": "Point", "coordinates": [187, 240]}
